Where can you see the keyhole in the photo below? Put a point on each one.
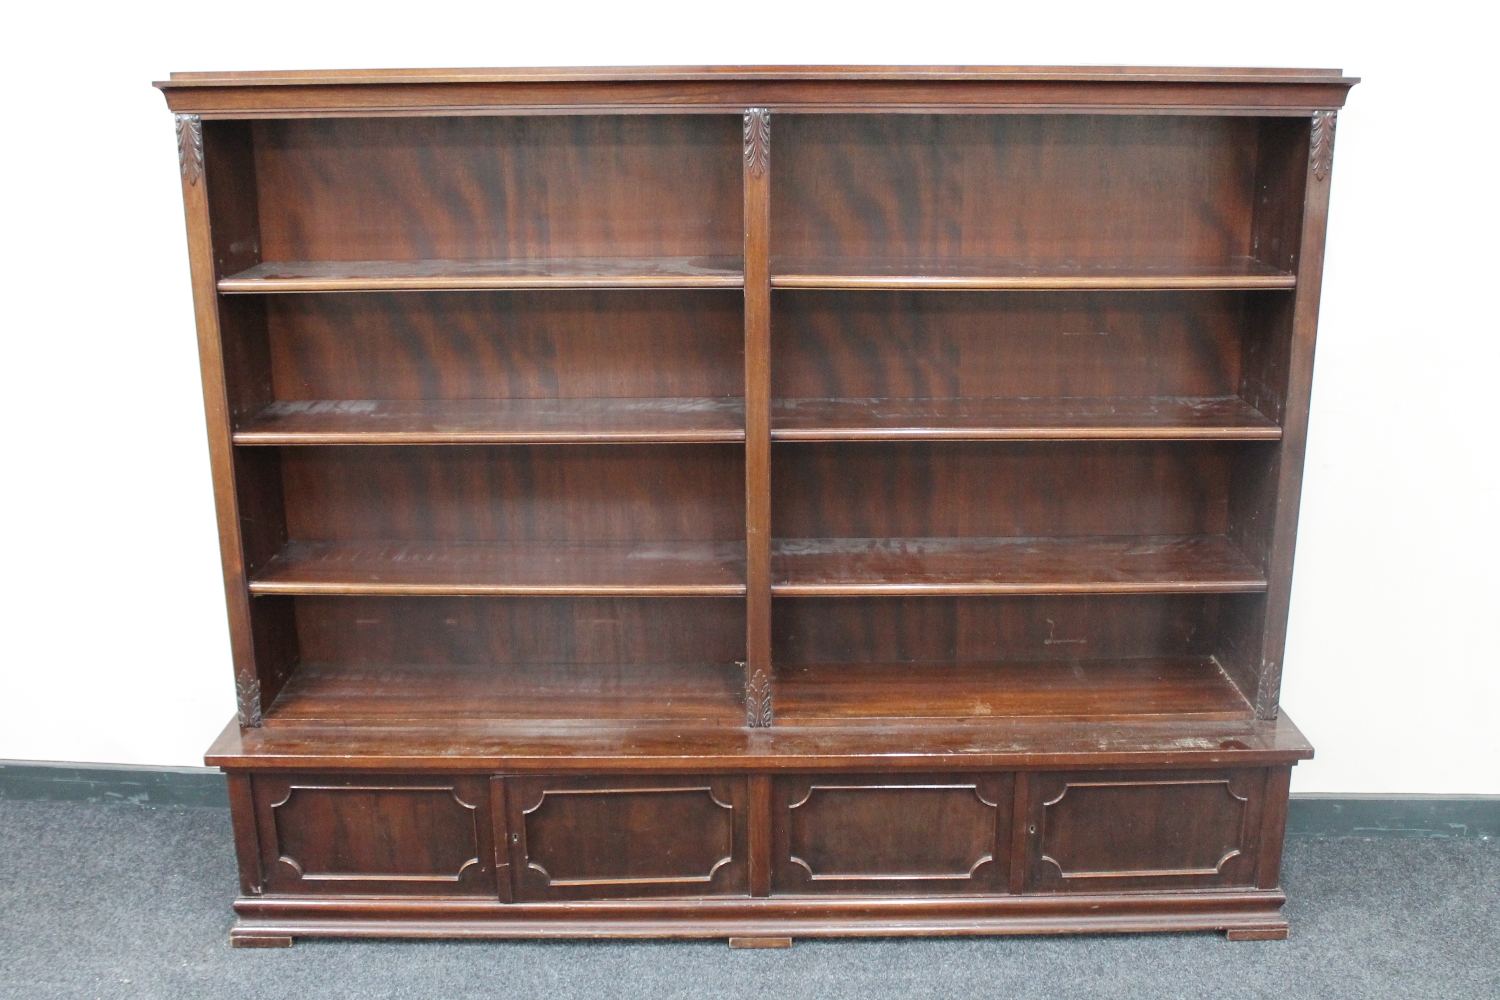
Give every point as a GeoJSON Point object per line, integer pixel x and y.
{"type": "Point", "coordinates": [515, 838]}
{"type": "Point", "coordinates": [1033, 829]}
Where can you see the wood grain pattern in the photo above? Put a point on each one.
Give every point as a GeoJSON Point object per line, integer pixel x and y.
{"type": "Point", "coordinates": [1010, 490]}
{"type": "Point", "coordinates": [1146, 418]}
{"type": "Point", "coordinates": [633, 420]}
{"type": "Point", "coordinates": [760, 712]}
{"type": "Point", "coordinates": [491, 273]}
{"type": "Point", "coordinates": [872, 835]}
{"type": "Point", "coordinates": [512, 632]}
{"type": "Point", "coordinates": [596, 838]}
{"type": "Point", "coordinates": [947, 187]}
{"type": "Point", "coordinates": [937, 629]}
{"type": "Point", "coordinates": [540, 493]}
{"type": "Point", "coordinates": [527, 568]}
{"type": "Point", "coordinates": [392, 835]}
{"type": "Point", "coordinates": [1179, 688]}
{"type": "Point", "coordinates": [455, 189]}
{"type": "Point", "coordinates": [516, 345]}
{"type": "Point", "coordinates": [1145, 830]}
{"type": "Point", "coordinates": [892, 747]}
{"type": "Point", "coordinates": [902, 566]}
{"type": "Point", "coordinates": [704, 693]}
{"type": "Point", "coordinates": [1071, 345]}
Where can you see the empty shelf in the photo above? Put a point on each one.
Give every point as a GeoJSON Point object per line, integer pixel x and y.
{"type": "Point", "coordinates": [489, 568]}
{"type": "Point", "coordinates": [999, 274]}
{"type": "Point", "coordinates": [806, 567]}
{"type": "Point", "coordinates": [428, 275]}
{"type": "Point", "coordinates": [1137, 418]}
{"type": "Point", "coordinates": [440, 693]}
{"type": "Point", "coordinates": [1179, 687]}
{"type": "Point", "coordinates": [495, 421]}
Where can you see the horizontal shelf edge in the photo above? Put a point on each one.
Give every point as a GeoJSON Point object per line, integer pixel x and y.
{"type": "Point", "coordinates": [938, 283]}
{"type": "Point", "coordinates": [293, 588]}
{"type": "Point", "coordinates": [1013, 589]}
{"type": "Point", "coordinates": [1030, 434]}
{"type": "Point", "coordinates": [311, 438]}
{"type": "Point", "coordinates": [257, 286]}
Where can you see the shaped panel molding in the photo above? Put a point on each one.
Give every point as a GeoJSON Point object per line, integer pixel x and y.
{"type": "Point", "coordinates": [938, 834]}
{"type": "Point", "coordinates": [407, 836]}
{"type": "Point", "coordinates": [1096, 831]}
{"type": "Point", "coordinates": [593, 839]}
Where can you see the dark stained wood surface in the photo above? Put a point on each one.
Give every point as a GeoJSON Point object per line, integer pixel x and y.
{"type": "Point", "coordinates": [537, 493]}
{"type": "Point", "coordinates": [515, 345]}
{"type": "Point", "coordinates": [460, 274]}
{"type": "Point", "coordinates": [1178, 688]}
{"type": "Point", "coordinates": [495, 421]}
{"type": "Point", "coordinates": [503, 188]}
{"type": "Point", "coordinates": [688, 74]}
{"type": "Point", "coordinates": [708, 693]}
{"type": "Point", "coordinates": [876, 835]}
{"type": "Point", "coordinates": [1002, 489]}
{"type": "Point", "coordinates": [923, 190]}
{"type": "Point", "coordinates": [1013, 571]}
{"type": "Point", "coordinates": [1219, 418]}
{"type": "Point", "coordinates": [1023, 274]}
{"type": "Point", "coordinates": [731, 89]}
{"type": "Point", "coordinates": [891, 746]}
{"type": "Point", "coordinates": [1035, 344]}
{"type": "Point", "coordinates": [435, 568]}
{"type": "Point", "coordinates": [990, 629]}
{"type": "Point", "coordinates": [900, 566]}
{"type": "Point", "coordinates": [502, 632]}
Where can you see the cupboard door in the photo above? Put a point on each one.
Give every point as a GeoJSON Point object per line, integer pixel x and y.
{"type": "Point", "coordinates": [1105, 831]}
{"type": "Point", "coordinates": [375, 834]}
{"type": "Point", "coordinates": [602, 838]}
{"type": "Point", "coordinates": [895, 834]}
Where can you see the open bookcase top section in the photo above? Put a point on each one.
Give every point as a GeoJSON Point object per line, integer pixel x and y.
{"type": "Point", "coordinates": [1174, 90]}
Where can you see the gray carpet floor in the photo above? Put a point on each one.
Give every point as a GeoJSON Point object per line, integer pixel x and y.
{"type": "Point", "coordinates": [129, 901]}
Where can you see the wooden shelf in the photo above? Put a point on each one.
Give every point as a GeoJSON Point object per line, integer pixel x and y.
{"type": "Point", "coordinates": [1005, 274]}
{"type": "Point", "coordinates": [1176, 688]}
{"type": "Point", "coordinates": [810, 567]}
{"type": "Point", "coordinates": [501, 569]}
{"type": "Point", "coordinates": [496, 421]}
{"type": "Point", "coordinates": [437, 275]}
{"type": "Point", "coordinates": [555, 692]}
{"type": "Point", "coordinates": [1220, 418]}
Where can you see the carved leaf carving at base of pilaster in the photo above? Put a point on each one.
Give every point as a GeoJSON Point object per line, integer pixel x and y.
{"type": "Point", "coordinates": [247, 692]}
{"type": "Point", "coordinates": [758, 700]}
{"type": "Point", "coordinates": [190, 147]}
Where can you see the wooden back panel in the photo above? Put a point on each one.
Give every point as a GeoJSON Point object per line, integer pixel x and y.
{"type": "Point", "coordinates": [969, 489]}
{"type": "Point", "coordinates": [488, 345]}
{"type": "Point", "coordinates": [576, 493]}
{"type": "Point", "coordinates": [946, 344]}
{"type": "Point", "coordinates": [383, 631]}
{"type": "Point", "coordinates": [1093, 187]}
{"type": "Point", "coordinates": [483, 187]}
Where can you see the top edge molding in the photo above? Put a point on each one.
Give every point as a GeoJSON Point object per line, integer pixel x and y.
{"type": "Point", "coordinates": [725, 74]}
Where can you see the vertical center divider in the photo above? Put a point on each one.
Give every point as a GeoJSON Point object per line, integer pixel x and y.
{"type": "Point", "coordinates": [757, 166]}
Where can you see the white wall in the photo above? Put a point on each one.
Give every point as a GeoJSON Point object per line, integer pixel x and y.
{"type": "Point", "coordinates": [112, 631]}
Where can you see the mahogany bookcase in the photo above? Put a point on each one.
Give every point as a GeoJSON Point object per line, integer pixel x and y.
{"type": "Point", "coordinates": [757, 502]}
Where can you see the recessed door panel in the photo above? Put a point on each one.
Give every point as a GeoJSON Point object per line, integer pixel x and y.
{"type": "Point", "coordinates": [880, 835]}
{"type": "Point", "coordinates": [598, 838]}
{"type": "Point", "coordinates": [1107, 831]}
{"type": "Point", "coordinates": [375, 834]}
